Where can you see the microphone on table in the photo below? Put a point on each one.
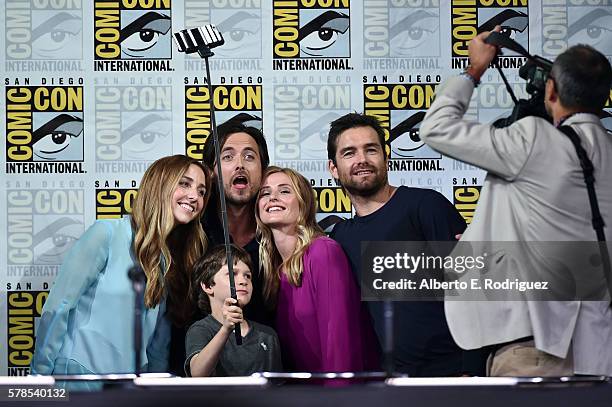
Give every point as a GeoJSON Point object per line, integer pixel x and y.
{"type": "Point", "coordinates": [139, 279]}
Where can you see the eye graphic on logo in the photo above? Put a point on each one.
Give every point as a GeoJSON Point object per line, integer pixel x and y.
{"type": "Point", "coordinates": [55, 136]}
{"type": "Point", "coordinates": [313, 137]}
{"type": "Point", "coordinates": [595, 29]}
{"type": "Point", "coordinates": [241, 34]}
{"type": "Point", "coordinates": [139, 37]}
{"type": "Point", "coordinates": [56, 239]}
{"type": "Point", "coordinates": [327, 222]}
{"type": "Point", "coordinates": [58, 36]}
{"type": "Point", "coordinates": [404, 138]}
{"type": "Point", "coordinates": [318, 36]}
{"type": "Point", "coordinates": [511, 22]}
{"type": "Point", "coordinates": [413, 31]}
{"type": "Point", "coordinates": [139, 139]}
{"type": "Point", "coordinates": [247, 119]}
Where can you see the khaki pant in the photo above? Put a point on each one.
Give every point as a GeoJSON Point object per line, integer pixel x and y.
{"type": "Point", "coordinates": [523, 359]}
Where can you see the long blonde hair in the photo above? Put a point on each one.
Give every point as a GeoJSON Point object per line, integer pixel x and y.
{"type": "Point", "coordinates": [167, 253]}
{"type": "Point", "coordinates": [307, 230]}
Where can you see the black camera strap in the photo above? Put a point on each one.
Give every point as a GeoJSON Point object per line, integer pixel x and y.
{"type": "Point", "coordinates": [589, 179]}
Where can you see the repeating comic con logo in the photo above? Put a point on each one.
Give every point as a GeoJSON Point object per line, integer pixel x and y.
{"type": "Point", "coordinates": [133, 126]}
{"type": "Point", "coordinates": [242, 103]}
{"type": "Point", "coordinates": [400, 108]}
{"type": "Point", "coordinates": [576, 22]}
{"type": "Point", "coordinates": [42, 225]}
{"type": "Point", "coordinates": [471, 17]}
{"type": "Point", "coordinates": [311, 34]}
{"type": "Point", "coordinates": [48, 30]}
{"type": "Point", "coordinates": [405, 29]}
{"type": "Point", "coordinates": [132, 30]}
{"type": "Point", "coordinates": [240, 23]}
{"type": "Point", "coordinates": [418, 180]}
{"type": "Point", "coordinates": [24, 308]}
{"type": "Point", "coordinates": [466, 193]}
{"type": "Point", "coordinates": [302, 114]}
{"type": "Point", "coordinates": [112, 203]}
{"type": "Point", "coordinates": [44, 129]}
{"type": "Point", "coordinates": [495, 103]}
{"type": "Point", "coordinates": [333, 206]}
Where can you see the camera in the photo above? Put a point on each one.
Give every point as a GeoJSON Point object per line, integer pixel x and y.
{"type": "Point", "coordinates": [535, 71]}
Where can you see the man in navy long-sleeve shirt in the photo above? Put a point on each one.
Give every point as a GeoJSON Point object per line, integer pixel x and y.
{"type": "Point", "coordinates": [423, 345]}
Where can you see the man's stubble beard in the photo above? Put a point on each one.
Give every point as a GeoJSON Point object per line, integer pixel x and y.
{"type": "Point", "coordinates": [355, 189]}
{"type": "Point", "coordinates": [242, 200]}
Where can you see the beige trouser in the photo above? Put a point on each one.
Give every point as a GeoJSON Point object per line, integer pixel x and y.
{"type": "Point", "coordinates": [523, 359]}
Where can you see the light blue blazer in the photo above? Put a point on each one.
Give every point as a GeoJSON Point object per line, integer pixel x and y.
{"type": "Point", "coordinates": [534, 191]}
{"type": "Point", "coordinates": [87, 321]}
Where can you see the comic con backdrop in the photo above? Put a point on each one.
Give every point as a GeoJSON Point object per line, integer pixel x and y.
{"type": "Point", "coordinates": [94, 91]}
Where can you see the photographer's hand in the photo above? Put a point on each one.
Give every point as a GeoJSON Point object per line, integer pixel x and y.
{"type": "Point", "coordinates": [481, 54]}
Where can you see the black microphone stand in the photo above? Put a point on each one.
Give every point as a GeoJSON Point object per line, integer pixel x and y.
{"type": "Point", "coordinates": [138, 278]}
{"type": "Point", "coordinates": [388, 317]}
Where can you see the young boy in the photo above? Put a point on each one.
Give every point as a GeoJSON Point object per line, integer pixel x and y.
{"type": "Point", "coordinates": [210, 343]}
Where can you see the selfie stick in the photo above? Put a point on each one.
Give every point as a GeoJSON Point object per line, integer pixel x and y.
{"type": "Point", "coordinates": [201, 40]}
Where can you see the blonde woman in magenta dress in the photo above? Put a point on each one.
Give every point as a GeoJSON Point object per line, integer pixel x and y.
{"type": "Point", "coordinates": [307, 278]}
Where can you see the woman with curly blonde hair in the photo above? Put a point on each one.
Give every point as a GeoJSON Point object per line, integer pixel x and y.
{"type": "Point", "coordinates": [307, 278]}
{"type": "Point", "coordinates": [86, 323]}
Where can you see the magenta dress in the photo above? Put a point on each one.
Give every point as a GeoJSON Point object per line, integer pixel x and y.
{"type": "Point", "coordinates": [321, 324]}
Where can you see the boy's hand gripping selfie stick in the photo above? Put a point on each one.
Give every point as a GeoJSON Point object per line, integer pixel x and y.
{"type": "Point", "coordinates": [201, 40]}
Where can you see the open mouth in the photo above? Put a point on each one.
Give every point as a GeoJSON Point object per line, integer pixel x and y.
{"type": "Point", "coordinates": [240, 182]}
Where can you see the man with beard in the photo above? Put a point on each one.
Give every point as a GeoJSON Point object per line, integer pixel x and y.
{"type": "Point", "coordinates": [244, 156]}
{"type": "Point", "coordinates": [357, 158]}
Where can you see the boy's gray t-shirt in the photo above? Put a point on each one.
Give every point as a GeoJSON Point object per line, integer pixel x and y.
{"type": "Point", "coordinates": [259, 352]}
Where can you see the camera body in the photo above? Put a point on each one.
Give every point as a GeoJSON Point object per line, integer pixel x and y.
{"type": "Point", "coordinates": [536, 72]}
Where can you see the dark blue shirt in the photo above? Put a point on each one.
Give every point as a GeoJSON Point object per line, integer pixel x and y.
{"type": "Point", "coordinates": [423, 345]}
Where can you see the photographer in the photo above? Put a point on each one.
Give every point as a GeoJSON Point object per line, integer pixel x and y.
{"type": "Point", "coordinates": [534, 191]}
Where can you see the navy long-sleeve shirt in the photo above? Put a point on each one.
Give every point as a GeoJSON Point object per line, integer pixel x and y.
{"type": "Point", "coordinates": [422, 340]}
